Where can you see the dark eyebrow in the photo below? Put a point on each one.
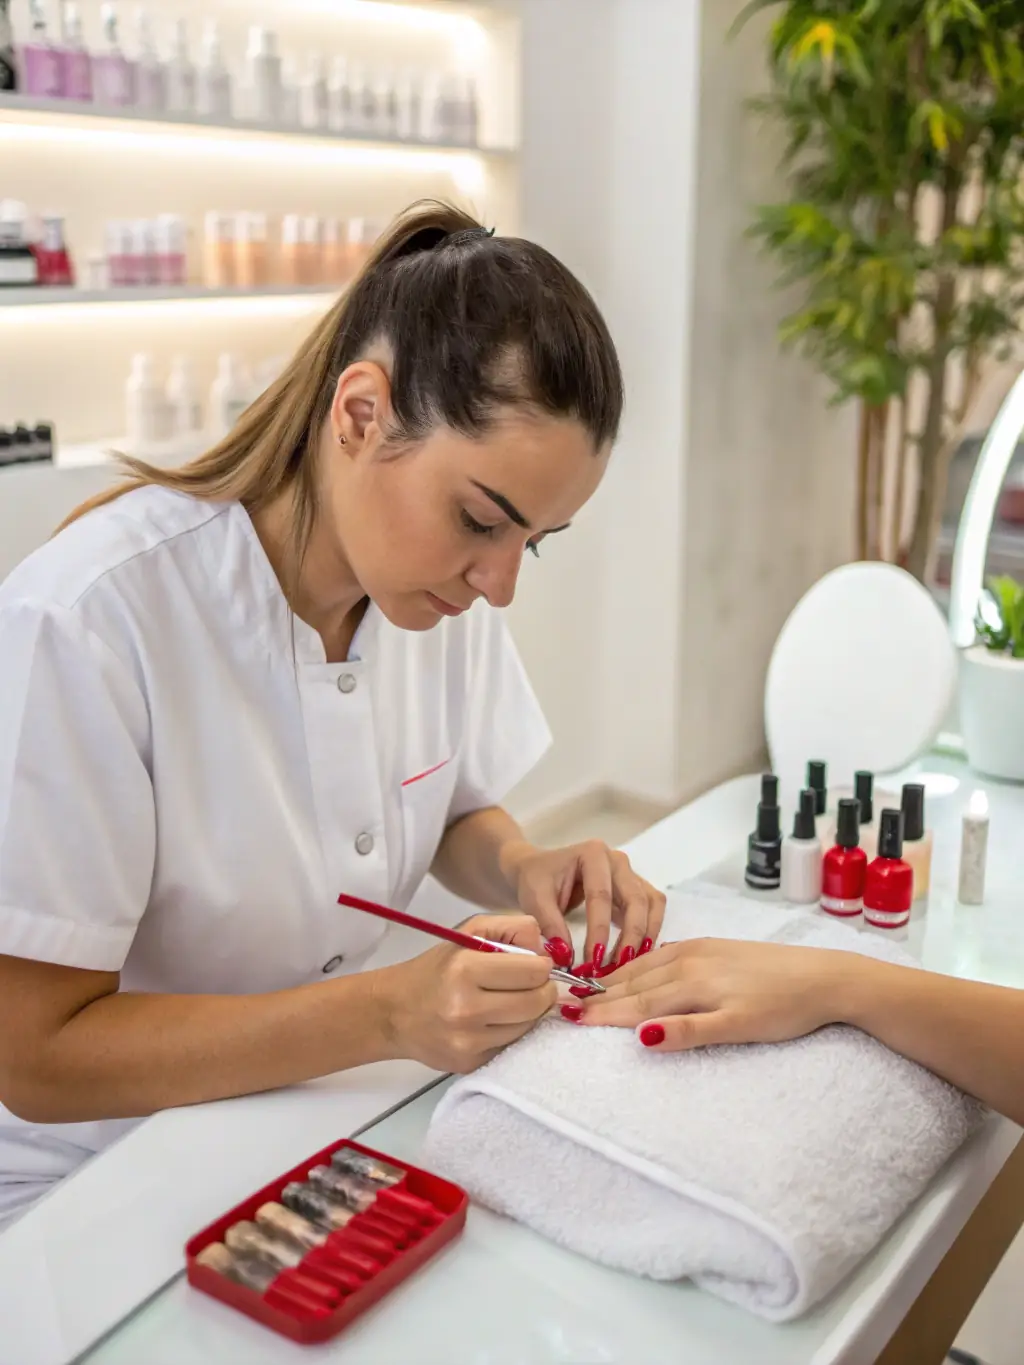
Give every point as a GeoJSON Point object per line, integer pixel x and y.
{"type": "Point", "coordinates": [511, 511]}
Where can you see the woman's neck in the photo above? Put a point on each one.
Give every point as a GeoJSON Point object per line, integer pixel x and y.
{"type": "Point", "coordinates": [325, 593]}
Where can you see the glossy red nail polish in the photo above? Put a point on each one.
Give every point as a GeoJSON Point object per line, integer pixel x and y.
{"type": "Point", "coordinates": [599, 951]}
{"type": "Point", "coordinates": [627, 955]}
{"type": "Point", "coordinates": [651, 1035]}
{"type": "Point", "coordinates": [574, 1013]}
{"type": "Point", "coordinates": [581, 992]}
{"type": "Point", "coordinates": [559, 951]}
{"type": "Point", "coordinates": [845, 866]}
{"type": "Point", "coordinates": [646, 946]}
{"type": "Point", "coordinates": [586, 969]}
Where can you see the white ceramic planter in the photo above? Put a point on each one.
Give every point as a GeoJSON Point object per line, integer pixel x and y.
{"type": "Point", "coordinates": [992, 712]}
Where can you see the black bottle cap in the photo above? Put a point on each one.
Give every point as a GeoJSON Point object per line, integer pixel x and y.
{"type": "Point", "coordinates": [890, 834]}
{"type": "Point", "coordinates": [913, 811]}
{"type": "Point", "coordinates": [803, 821]}
{"type": "Point", "coordinates": [43, 431]}
{"type": "Point", "coordinates": [848, 823]}
{"type": "Point", "coordinates": [22, 435]}
{"type": "Point", "coordinates": [6, 438]}
{"type": "Point", "coordinates": [768, 827]}
{"type": "Point", "coordinates": [816, 772]}
{"type": "Point", "coordinates": [769, 789]}
{"type": "Point", "coordinates": [863, 782]}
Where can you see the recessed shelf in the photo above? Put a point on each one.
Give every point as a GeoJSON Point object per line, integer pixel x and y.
{"type": "Point", "coordinates": [43, 295]}
{"type": "Point", "coordinates": [30, 110]}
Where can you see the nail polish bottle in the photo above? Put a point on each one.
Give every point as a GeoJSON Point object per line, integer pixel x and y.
{"type": "Point", "coordinates": [52, 254]}
{"type": "Point", "coordinates": [917, 841]}
{"type": "Point", "coordinates": [764, 847]}
{"type": "Point", "coordinates": [181, 74]}
{"type": "Point", "coordinates": [817, 783]}
{"type": "Point", "coordinates": [863, 789]}
{"type": "Point", "coordinates": [113, 75]}
{"type": "Point", "coordinates": [76, 59]}
{"type": "Point", "coordinates": [801, 856]}
{"type": "Point", "coordinates": [42, 62]}
{"type": "Point", "coordinates": [150, 73]}
{"type": "Point", "coordinates": [889, 881]}
{"type": "Point", "coordinates": [844, 865]}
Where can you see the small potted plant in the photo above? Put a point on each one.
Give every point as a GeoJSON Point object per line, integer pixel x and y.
{"type": "Point", "coordinates": [992, 684]}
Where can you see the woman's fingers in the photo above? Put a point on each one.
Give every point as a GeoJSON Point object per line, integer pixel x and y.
{"type": "Point", "coordinates": [521, 930]}
{"type": "Point", "coordinates": [626, 1009]}
{"type": "Point", "coordinates": [632, 895]}
{"type": "Point", "coordinates": [596, 878]}
{"type": "Point", "coordinates": [681, 1032]}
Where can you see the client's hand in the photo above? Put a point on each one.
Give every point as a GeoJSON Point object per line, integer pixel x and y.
{"type": "Point", "coordinates": [706, 991]}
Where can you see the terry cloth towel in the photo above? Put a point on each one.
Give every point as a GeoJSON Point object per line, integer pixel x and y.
{"type": "Point", "coordinates": [764, 1173]}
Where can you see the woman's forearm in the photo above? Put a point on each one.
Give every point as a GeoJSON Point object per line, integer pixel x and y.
{"type": "Point", "coordinates": [472, 859]}
{"type": "Point", "coordinates": [969, 1033]}
{"type": "Point", "coordinates": [126, 1055]}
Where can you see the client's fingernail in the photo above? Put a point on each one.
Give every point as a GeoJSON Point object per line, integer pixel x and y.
{"type": "Point", "coordinates": [627, 955]}
{"type": "Point", "coordinates": [559, 951]}
{"type": "Point", "coordinates": [598, 954]}
{"type": "Point", "coordinates": [646, 946]}
{"type": "Point", "coordinates": [585, 969]}
{"type": "Point", "coordinates": [650, 1035]}
{"type": "Point", "coordinates": [574, 1013]}
{"type": "Point", "coordinates": [581, 992]}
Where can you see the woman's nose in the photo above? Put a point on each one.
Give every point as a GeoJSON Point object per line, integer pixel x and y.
{"type": "Point", "coordinates": [496, 573]}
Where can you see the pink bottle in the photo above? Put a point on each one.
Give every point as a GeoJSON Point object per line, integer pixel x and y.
{"type": "Point", "coordinates": [77, 62]}
{"type": "Point", "coordinates": [113, 75]}
{"type": "Point", "coordinates": [42, 63]}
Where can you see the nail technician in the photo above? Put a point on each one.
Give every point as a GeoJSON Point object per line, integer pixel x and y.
{"type": "Point", "coordinates": [234, 690]}
{"type": "Point", "coordinates": [709, 991]}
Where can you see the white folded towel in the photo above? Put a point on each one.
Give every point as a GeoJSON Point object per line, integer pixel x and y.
{"type": "Point", "coordinates": [764, 1173]}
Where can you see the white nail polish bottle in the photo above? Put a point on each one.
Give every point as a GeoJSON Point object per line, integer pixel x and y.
{"type": "Point", "coordinates": [801, 855]}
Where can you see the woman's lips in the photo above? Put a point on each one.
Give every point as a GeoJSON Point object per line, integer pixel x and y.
{"type": "Point", "coordinates": [445, 608]}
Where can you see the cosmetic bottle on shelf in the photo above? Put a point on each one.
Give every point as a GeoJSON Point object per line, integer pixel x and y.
{"type": "Point", "coordinates": [76, 59]}
{"type": "Point", "coordinates": [290, 259]}
{"type": "Point", "coordinates": [385, 106]}
{"type": "Point", "coordinates": [333, 251]}
{"type": "Point", "coordinates": [801, 856]}
{"type": "Point", "coordinates": [52, 254]}
{"type": "Point", "coordinates": [889, 881]}
{"type": "Point", "coordinates": [408, 99]}
{"type": "Point", "coordinates": [213, 81]}
{"type": "Point", "coordinates": [313, 98]}
{"type": "Point", "coordinates": [19, 265]}
{"type": "Point", "coordinates": [143, 269]}
{"type": "Point", "coordinates": [184, 409]}
{"type": "Point", "coordinates": [118, 253]}
{"type": "Point", "coordinates": [229, 395]}
{"type": "Point", "coordinates": [263, 70]}
{"type": "Point", "coordinates": [917, 840]}
{"type": "Point", "coordinates": [219, 251]}
{"type": "Point", "coordinates": [252, 261]}
{"type": "Point", "coordinates": [311, 264]}
{"type": "Point", "coordinates": [181, 74]}
{"type": "Point", "coordinates": [144, 405]}
{"type": "Point", "coordinates": [360, 103]}
{"type": "Point", "coordinates": [8, 66]}
{"type": "Point", "coordinates": [113, 75]}
{"type": "Point", "coordinates": [291, 94]}
{"type": "Point", "coordinates": [171, 250]}
{"type": "Point", "coordinates": [339, 97]}
{"type": "Point", "coordinates": [42, 62]}
{"type": "Point", "coordinates": [150, 74]}
{"type": "Point", "coordinates": [844, 866]}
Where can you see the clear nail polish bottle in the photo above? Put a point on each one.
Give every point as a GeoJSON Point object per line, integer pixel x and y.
{"type": "Point", "coordinates": [801, 856]}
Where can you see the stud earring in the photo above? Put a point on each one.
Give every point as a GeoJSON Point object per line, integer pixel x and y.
{"type": "Point", "coordinates": [342, 440]}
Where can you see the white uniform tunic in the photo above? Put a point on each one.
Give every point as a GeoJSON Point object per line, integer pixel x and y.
{"type": "Point", "coordinates": [186, 785]}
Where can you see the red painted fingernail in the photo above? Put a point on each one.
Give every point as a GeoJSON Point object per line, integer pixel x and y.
{"type": "Point", "coordinates": [559, 951]}
{"type": "Point", "coordinates": [598, 954]}
{"type": "Point", "coordinates": [574, 1013]}
{"type": "Point", "coordinates": [650, 1035]}
{"type": "Point", "coordinates": [585, 969]}
{"type": "Point", "coordinates": [627, 955]}
{"type": "Point", "coordinates": [581, 992]}
{"type": "Point", "coordinates": [611, 967]}
{"type": "Point", "coordinates": [646, 946]}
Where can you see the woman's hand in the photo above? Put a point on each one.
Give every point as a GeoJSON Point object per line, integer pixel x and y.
{"type": "Point", "coordinates": [550, 883]}
{"type": "Point", "coordinates": [453, 1009]}
{"type": "Point", "coordinates": [707, 991]}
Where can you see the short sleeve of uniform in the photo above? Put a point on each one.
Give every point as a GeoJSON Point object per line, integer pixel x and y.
{"type": "Point", "coordinates": [77, 822]}
{"type": "Point", "coordinates": [506, 734]}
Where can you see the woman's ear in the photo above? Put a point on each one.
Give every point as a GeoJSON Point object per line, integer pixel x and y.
{"type": "Point", "coordinates": [362, 403]}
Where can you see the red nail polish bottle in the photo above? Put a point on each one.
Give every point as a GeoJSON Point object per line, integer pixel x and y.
{"type": "Point", "coordinates": [844, 868]}
{"type": "Point", "coordinates": [889, 885]}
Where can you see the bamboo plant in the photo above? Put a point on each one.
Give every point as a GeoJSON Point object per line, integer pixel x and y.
{"type": "Point", "coordinates": [903, 233]}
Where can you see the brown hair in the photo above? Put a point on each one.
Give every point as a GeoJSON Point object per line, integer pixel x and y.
{"type": "Point", "coordinates": [473, 323]}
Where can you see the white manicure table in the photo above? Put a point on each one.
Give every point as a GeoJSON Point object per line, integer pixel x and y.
{"type": "Point", "coordinates": [94, 1273]}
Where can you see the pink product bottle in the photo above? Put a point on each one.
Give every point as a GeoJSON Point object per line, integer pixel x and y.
{"type": "Point", "coordinates": [113, 75]}
{"type": "Point", "coordinates": [120, 267]}
{"type": "Point", "coordinates": [889, 884]}
{"type": "Point", "coordinates": [42, 62]}
{"type": "Point", "coordinates": [171, 266]}
{"type": "Point", "coordinates": [77, 62]}
{"type": "Point", "coordinates": [144, 268]}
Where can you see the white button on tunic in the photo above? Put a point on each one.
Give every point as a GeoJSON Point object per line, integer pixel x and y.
{"type": "Point", "coordinates": [186, 785]}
